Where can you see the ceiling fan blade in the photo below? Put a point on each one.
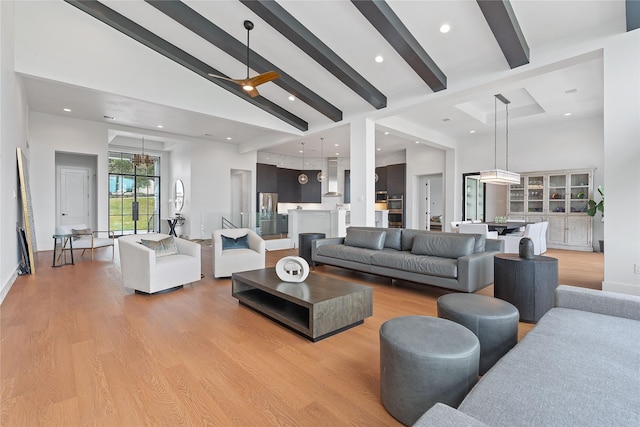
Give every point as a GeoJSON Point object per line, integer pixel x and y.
{"type": "Point", "coordinates": [226, 78]}
{"type": "Point", "coordinates": [263, 78]}
{"type": "Point", "coordinates": [253, 92]}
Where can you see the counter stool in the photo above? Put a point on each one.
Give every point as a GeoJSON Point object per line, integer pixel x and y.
{"type": "Point", "coordinates": [425, 360]}
{"type": "Point", "coordinates": [492, 320]}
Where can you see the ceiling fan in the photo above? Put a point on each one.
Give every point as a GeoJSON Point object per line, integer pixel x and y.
{"type": "Point", "coordinates": [250, 83]}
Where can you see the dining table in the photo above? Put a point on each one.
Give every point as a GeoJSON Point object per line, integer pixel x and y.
{"type": "Point", "coordinates": [506, 227]}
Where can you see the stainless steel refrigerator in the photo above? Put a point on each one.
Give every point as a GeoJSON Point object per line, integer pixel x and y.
{"type": "Point", "coordinates": [267, 213]}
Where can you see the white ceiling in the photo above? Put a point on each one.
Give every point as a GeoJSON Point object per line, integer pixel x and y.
{"type": "Point", "coordinates": [468, 55]}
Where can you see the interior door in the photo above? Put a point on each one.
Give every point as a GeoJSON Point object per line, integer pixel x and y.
{"type": "Point", "coordinates": [73, 196]}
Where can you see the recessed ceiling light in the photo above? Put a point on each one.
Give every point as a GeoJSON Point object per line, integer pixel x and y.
{"type": "Point", "coordinates": [337, 154]}
{"type": "Point", "coordinates": [472, 131]}
{"type": "Point", "coordinates": [336, 145]}
{"type": "Point", "coordinates": [159, 126]}
{"type": "Point", "coordinates": [300, 151]}
{"type": "Point", "coordinates": [417, 142]}
{"type": "Point", "coordinates": [68, 110]}
{"type": "Point", "coordinates": [386, 133]}
{"type": "Point", "coordinates": [444, 28]}
{"type": "Point", "coordinates": [379, 58]}
{"type": "Point", "coordinates": [378, 149]}
{"type": "Point", "coordinates": [292, 98]}
{"type": "Point", "coordinates": [109, 117]}
{"type": "Point", "coordinates": [567, 114]}
{"type": "Point", "coordinates": [228, 138]}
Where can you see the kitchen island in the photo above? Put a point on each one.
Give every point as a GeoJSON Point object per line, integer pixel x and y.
{"type": "Point", "coordinates": [333, 223]}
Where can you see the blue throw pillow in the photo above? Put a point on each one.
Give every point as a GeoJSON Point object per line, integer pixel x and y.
{"type": "Point", "coordinates": [241, 242]}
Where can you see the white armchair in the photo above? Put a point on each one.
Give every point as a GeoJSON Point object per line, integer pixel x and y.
{"type": "Point", "coordinates": [91, 239]}
{"type": "Point", "coordinates": [226, 262]}
{"type": "Point", "coordinates": [146, 273]}
{"type": "Point", "coordinates": [532, 231]}
{"type": "Point", "coordinates": [474, 228]}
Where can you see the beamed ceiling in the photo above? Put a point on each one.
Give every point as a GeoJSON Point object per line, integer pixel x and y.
{"type": "Point", "coordinates": [325, 50]}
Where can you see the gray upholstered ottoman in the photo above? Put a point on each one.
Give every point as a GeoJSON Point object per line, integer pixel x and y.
{"type": "Point", "coordinates": [425, 360]}
{"type": "Point", "coordinates": [492, 320]}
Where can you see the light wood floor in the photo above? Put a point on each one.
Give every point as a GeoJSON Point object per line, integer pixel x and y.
{"type": "Point", "coordinates": [78, 349]}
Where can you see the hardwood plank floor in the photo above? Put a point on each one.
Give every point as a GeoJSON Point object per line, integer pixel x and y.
{"type": "Point", "coordinates": [79, 349]}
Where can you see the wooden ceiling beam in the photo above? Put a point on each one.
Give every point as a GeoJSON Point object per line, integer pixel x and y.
{"type": "Point", "coordinates": [389, 25]}
{"type": "Point", "coordinates": [505, 28]}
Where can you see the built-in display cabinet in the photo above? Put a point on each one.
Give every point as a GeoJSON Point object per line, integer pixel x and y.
{"type": "Point", "coordinates": [559, 197]}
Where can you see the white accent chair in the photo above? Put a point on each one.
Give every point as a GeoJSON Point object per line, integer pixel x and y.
{"type": "Point", "coordinates": [478, 229]}
{"type": "Point", "coordinates": [90, 240]}
{"type": "Point", "coordinates": [532, 231]}
{"type": "Point", "coordinates": [146, 273]}
{"type": "Point", "coordinates": [227, 262]}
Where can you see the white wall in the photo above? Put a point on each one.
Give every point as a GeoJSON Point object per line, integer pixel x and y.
{"type": "Point", "coordinates": [13, 133]}
{"type": "Point", "coordinates": [622, 163]}
{"type": "Point", "coordinates": [421, 160]}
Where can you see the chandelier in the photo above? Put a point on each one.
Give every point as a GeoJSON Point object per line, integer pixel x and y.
{"type": "Point", "coordinates": [141, 159]}
{"type": "Point", "coordinates": [499, 176]}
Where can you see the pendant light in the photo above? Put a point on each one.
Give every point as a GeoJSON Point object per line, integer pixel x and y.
{"type": "Point", "coordinates": [321, 176]}
{"type": "Point", "coordinates": [141, 159]}
{"type": "Point", "coordinates": [303, 178]}
{"type": "Point", "coordinates": [500, 176]}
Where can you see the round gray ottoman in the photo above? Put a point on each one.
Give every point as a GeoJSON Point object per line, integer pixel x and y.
{"type": "Point", "coordinates": [492, 320]}
{"type": "Point", "coordinates": [425, 360]}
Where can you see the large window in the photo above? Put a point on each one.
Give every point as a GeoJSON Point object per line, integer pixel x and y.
{"type": "Point", "coordinates": [134, 195]}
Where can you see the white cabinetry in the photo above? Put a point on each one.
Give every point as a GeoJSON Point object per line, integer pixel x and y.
{"type": "Point", "coordinates": [559, 197]}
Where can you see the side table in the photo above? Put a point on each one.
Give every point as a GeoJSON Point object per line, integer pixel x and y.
{"type": "Point", "coordinates": [529, 284]}
{"type": "Point", "coordinates": [304, 245]}
{"type": "Point", "coordinates": [64, 239]}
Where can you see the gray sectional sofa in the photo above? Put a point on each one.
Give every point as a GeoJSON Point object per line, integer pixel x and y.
{"type": "Point", "coordinates": [462, 262]}
{"type": "Point", "coordinates": [579, 366]}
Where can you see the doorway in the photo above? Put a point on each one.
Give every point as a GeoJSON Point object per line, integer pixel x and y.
{"type": "Point", "coordinates": [76, 189]}
{"type": "Point", "coordinates": [430, 202]}
{"type": "Point", "coordinates": [241, 211]}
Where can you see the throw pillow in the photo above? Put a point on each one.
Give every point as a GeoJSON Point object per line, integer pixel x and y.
{"type": "Point", "coordinates": [77, 233]}
{"type": "Point", "coordinates": [241, 242]}
{"type": "Point", "coordinates": [368, 239]}
{"type": "Point", "coordinates": [445, 246]}
{"type": "Point", "coordinates": [164, 247]}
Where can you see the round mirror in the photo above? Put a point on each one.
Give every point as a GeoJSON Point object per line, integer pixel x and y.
{"type": "Point", "coordinates": [179, 195]}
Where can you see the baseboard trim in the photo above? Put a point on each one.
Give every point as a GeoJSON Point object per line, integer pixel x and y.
{"type": "Point", "coordinates": [6, 287]}
{"type": "Point", "coordinates": [622, 288]}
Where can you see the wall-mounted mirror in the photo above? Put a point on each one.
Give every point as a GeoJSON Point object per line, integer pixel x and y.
{"type": "Point", "coordinates": [179, 195]}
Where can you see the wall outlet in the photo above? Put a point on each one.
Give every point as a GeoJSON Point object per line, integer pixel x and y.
{"type": "Point", "coordinates": [636, 268]}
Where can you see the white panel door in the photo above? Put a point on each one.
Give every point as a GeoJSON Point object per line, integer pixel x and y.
{"type": "Point", "coordinates": [73, 196]}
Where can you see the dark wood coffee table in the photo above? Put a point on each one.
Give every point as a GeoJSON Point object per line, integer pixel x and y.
{"type": "Point", "coordinates": [316, 308]}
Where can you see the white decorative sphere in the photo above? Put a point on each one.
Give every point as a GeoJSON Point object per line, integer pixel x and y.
{"type": "Point", "coordinates": [292, 269]}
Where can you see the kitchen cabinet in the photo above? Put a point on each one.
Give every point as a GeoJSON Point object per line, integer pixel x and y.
{"type": "Point", "coordinates": [291, 191]}
{"type": "Point", "coordinates": [381, 183]}
{"type": "Point", "coordinates": [311, 192]}
{"type": "Point", "coordinates": [396, 179]}
{"type": "Point", "coordinates": [559, 197]}
{"type": "Point", "coordinates": [266, 178]}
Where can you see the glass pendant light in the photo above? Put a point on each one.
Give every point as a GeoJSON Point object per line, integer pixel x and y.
{"type": "Point", "coordinates": [303, 178]}
{"type": "Point", "coordinates": [321, 176]}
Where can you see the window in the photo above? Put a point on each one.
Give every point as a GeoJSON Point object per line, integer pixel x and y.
{"type": "Point", "coordinates": [134, 195]}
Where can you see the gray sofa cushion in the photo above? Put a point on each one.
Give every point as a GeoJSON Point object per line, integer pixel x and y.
{"type": "Point", "coordinates": [391, 239]}
{"type": "Point", "coordinates": [409, 235]}
{"type": "Point", "coordinates": [574, 368]}
{"type": "Point", "coordinates": [368, 239]}
{"type": "Point", "coordinates": [446, 246]}
{"type": "Point", "coordinates": [406, 261]}
{"type": "Point", "coordinates": [348, 253]}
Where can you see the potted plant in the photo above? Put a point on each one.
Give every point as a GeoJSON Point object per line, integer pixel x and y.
{"type": "Point", "coordinates": [593, 208]}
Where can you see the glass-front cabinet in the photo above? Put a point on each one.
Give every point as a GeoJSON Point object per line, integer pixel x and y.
{"type": "Point", "coordinates": [559, 197]}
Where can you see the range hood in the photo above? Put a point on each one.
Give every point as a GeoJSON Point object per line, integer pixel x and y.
{"type": "Point", "coordinates": [332, 178]}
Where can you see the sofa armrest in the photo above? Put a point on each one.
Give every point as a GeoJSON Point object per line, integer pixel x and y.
{"type": "Point", "coordinates": [445, 416]}
{"type": "Point", "coordinates": [601, 302]}
{"type": "Point", "coordinates": [475, 271]}
{"type": "Point", "coordinates": [188, 247]}
{"type": "Point", "coordinates": [315, 244]}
